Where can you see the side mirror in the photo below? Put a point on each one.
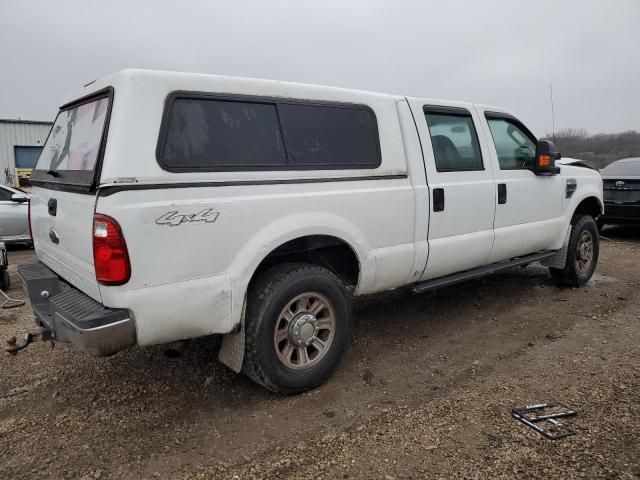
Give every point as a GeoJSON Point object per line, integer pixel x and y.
{"type": "Point", "coordinates": [546, 156]}
{"type": "Point", "coordinates": [19, 198]}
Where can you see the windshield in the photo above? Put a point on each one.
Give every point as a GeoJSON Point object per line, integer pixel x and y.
{"type": "Point", "coordinates": [72, 148]}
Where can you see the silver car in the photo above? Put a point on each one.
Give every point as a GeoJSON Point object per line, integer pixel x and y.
{"type": "Point", "coordinates": [14, 215]}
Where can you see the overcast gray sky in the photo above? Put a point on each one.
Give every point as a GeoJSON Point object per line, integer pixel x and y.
{"type": "Point", "coordinates": [498, 52]}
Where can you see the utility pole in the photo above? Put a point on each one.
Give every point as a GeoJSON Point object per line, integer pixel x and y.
{"type": "Point", "coordinates": [553, 118]}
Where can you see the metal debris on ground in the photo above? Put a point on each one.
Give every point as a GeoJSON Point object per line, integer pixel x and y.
{"type": "Point", "coordinates": [547, 415]}
{"type": "Point", "coordinates": [10, 302]}
{"type": "Point", "coordinates": [5, 280]}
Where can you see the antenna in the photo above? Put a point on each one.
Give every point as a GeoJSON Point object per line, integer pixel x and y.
{"type": "Point", "coordinates": [553, 117]}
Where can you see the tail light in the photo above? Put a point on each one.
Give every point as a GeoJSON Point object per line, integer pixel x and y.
{"type": "Point", "coordinates": [110, 256]}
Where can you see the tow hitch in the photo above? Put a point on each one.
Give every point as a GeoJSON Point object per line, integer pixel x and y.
{"type": "Point", "coordinates": [13, 346]}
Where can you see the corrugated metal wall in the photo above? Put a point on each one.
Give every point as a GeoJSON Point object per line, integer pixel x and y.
{"type": "Point", "coordinates": [23, 133]}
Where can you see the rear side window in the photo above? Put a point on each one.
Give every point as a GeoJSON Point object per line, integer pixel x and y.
{"type": "Point", "coordinates": [454, 140]}
{"type": "Point", "coordinates": [217, 134]}
{"type": "Point", "coordinates": [327, 136]}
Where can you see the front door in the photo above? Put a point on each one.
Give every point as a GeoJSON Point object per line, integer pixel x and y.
{"type": "Point", "coordinates": [529, 207]}
{"type": "Point", "coordinates": [13, 216]}
{"type": "Point", "coordinates": [461, 188]}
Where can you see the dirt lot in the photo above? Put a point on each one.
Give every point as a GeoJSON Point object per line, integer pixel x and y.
{"type": "Point", "coordinates": [424, 391]}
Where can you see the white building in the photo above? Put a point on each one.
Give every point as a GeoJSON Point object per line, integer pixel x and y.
{"type": "Point", "coordinates": [21, 142]}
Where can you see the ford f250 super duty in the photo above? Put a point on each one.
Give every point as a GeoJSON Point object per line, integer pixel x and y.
{"type": "Point", "coordinates": [169, 206]}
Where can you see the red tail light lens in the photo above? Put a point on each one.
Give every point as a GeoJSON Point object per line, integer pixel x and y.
{"type": "Point", "coordinates": [110, 256]}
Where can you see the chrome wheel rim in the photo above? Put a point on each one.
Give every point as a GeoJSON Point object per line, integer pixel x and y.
{"type": "Point", "coordinates": [584, 251]}
{"type": "Point", "coordinates": [304, 331]}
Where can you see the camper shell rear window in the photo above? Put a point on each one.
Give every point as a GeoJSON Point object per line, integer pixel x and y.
{"type": "Point", "coordinates": [72, 154]}
{"type": "Point", "coordinates": [207, 132]}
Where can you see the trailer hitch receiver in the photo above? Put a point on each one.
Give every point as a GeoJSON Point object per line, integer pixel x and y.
{"type": "Point", "coordinates": [13, 346]}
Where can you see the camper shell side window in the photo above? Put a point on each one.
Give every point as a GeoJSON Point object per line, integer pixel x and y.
{"type": "Point", "coordinates": [207, 132]}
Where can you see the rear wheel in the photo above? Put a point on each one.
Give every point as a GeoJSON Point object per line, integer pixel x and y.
{"type": "Point", "coordinates": [296, 327]}
{"type": "Point", "coordinates": [582, 254]}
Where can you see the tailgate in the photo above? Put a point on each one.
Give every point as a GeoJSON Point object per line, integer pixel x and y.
{"type": "Point", "coordinates": [62, 225]}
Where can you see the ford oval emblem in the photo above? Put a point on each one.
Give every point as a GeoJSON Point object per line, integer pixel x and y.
{"type": "Point", "coordinates": [619, 183]}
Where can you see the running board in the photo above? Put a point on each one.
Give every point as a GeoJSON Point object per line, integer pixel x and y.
{"type": "Point", "coordinates": [479, 272]}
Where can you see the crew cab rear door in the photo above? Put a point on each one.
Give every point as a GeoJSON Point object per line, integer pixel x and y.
{"type": "Point", "coordinates": [63, 197]}
{"type": "Point", "coordinates": [461, 187]}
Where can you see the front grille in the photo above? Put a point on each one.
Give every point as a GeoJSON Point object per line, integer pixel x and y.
{"type": "Point", "coordinates": [621, 191]}
{"type": "Point", "coordinates": [621, 196]}
{"type": "Point", "coordinates": [626, 184]}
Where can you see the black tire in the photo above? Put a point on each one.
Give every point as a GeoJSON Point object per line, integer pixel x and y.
{"type": "Point", "coordinates": [572, 275]}
{"type": "Point", "coordinates": [5, 279]}
{"type": "Point", "coordinates": [268, 297]}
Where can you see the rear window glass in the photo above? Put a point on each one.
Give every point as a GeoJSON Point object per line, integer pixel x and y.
{"type": "Point", "coordinates": [74, 141]}
{"type": "Point", "coordinates": [223, 134]}
{"type": "Point", "coordinates": [73, 146]}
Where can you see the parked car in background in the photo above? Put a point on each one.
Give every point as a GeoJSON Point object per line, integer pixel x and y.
{"type": "Point", "coordinates": [621, 181]}
{"type": "Point", "coordinates": [14, 215]}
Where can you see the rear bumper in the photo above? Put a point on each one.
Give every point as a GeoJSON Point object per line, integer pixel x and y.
{"type": "Point", "coordinates": [74, 317]}
{"type": "Point", "coordinates": [616, 213]}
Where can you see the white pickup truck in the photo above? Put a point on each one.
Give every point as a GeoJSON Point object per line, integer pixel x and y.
{"type": "Point", "coordinates": [170, 206]}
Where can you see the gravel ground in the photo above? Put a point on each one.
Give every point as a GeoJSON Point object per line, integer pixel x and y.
{"type": "Point", "coordinates": [425, 391]}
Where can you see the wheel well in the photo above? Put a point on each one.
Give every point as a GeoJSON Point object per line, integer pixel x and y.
{"type": "Point", "coordinates": [323, 250]}
{"type": "Point", "coordinates": [589, 206]}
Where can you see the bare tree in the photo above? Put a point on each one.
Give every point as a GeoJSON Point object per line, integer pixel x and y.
{"type": "Point", "coordinates": [601, 148]}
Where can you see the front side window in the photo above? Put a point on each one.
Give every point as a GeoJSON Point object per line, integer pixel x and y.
{"type": "Point", "coordinates": [5, 195]}
{"type": "Point", "coordinates": [515, 149]}
{"type": "Point", "coordinates": [230, 134]}
{"type": "Point", "coordinates": [454, 141]}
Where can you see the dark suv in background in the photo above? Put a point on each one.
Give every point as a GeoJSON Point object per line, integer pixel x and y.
{"type": "Point", "coordinates": [621, 180]}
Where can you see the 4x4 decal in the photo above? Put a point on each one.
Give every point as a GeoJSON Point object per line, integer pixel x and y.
{"type": "Point", "coordinates": [173, 219]}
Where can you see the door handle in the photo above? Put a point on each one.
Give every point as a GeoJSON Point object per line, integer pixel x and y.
{"type": "Point", "coordinates": [438, 199]}
{"type": "Point", "coordinates": [502, 193]}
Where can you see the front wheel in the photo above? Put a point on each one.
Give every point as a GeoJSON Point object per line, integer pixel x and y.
{"type": "Point", "coordinates": [582, 254]}
{"type": "Point", "coordinates": [296, 327]}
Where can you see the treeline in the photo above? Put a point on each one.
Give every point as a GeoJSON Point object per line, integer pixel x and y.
{"type": "Point", "coordinates": [600, 149]}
